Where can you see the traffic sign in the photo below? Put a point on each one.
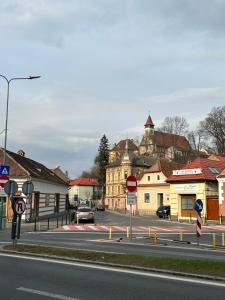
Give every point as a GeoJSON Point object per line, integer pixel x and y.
{"type": "Point", "coordinates": [131, 183]}
{"type": "Point", "coordinates": [199, 225]}
{"type": "Point", "coordinates": [3, 180]}
{"type": "Point", "coordinates": [131, 198]}
{"type": "Point", "coordinates": [27, 187]}
{"type": "Point", "coordinates": [19, 206]}
{"type": "Point", "coordinates": [198, 205]}
{"type": "Point", "coordinates": [11, 187]}
{"type": "Point", "coordinates": [4, 170]}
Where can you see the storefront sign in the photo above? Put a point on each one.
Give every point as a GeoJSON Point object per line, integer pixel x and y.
{"type": "Point", "coordinates": [187, 172]}
{"type": "Point", "coordinates": [187, 187]}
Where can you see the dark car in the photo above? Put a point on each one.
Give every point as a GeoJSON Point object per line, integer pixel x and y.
{"type": "Point", "coordinates": [100, 207]}
{"type": "Point", "coordinates": [163, 211]}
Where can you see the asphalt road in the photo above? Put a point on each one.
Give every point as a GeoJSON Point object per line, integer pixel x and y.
{"type": "Point", "coordinates": [30, 278]}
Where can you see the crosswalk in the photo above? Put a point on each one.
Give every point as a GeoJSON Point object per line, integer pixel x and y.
{"type": "Point", "coordinates": [143, 229]}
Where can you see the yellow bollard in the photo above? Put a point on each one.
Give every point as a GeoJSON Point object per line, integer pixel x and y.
{"type": "Point", "coordinates": [223, 241]}
{"type": "Point", "coordinates": [127, 232]}
{"type": "Point", "coordinates": [149, 231]}
{"type": "Point", "coordinates": [110, 233]}
{"type": "Point", "coordinates": [77, 219]}
{"type": "Point", "coordinates": [155, 237]}
{"type": "Point", "coordinates": [181, 236]}
{"type": "Point", "coordinates": [214, 240]}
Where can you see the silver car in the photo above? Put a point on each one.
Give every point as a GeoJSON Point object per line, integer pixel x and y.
{"type": "Point", "coordinates": [85, 213]}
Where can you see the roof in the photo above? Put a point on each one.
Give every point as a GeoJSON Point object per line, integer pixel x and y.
{"type": "Point", "coordinates": [21, 166]}
{"type": "Point", "coordinates": [222, 174]}
{"type": "Point", "coordinates": [60, 174]}
{"type": "Point", "coordinates": [164, 166]}
{"type": "Point", "coordinates": [149, 122]}
{"type": "Point", "coordinates": [209, 170]}
{"type": "Point", "coordinates": [167, 140]}
{"type": "Point", "coordinates": [121, 146]}
{"type": "Point", "coordinates": [84, 182]}
{"type": "Point", "coordinates": [217, 157]}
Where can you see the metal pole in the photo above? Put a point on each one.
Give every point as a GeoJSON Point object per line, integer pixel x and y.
{"type": "Point", "coordinates": [130, 222]}
{"type": "Point", "coordinates": [6, 121]}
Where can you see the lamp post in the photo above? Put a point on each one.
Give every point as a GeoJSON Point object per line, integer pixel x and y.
{"type": "Point", "coordinates": [7, 107]}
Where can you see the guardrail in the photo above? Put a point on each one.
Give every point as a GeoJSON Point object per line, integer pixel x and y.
{"type": "Point", "coordinates": [52, 222]}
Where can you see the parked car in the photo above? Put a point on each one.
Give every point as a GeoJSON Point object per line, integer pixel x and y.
{"type": "Point", "coordinates": [100, 207]}
{"type": "Point", "coordinates": [85, 213]}
{"type": "Point", "coordinates": [163, 211]}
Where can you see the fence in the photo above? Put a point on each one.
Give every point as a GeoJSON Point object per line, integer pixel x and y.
{"type": "Point", "coordinates": [53, 222]}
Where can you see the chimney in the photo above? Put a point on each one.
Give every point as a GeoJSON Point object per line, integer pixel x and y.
{"type": "Point", "coordinates": [21, 152]}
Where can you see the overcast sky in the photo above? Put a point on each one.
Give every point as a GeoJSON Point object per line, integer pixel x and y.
{"type": "Point", "coordinates": [104, 66]}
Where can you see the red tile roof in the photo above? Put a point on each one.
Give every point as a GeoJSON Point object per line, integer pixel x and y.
{"type": "Point", "coordinates": [206, 173]}
{"type": "Point", "coordinates": [167, 140]}
{"type": "Point", "coordinates": [84, 181]}
{"type": "Point", "coordinates": [149, 121]}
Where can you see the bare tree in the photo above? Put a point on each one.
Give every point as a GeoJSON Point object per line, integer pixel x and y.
{"type": "Point", "coordinates": [176, 125]}
{"type": "Point", "coordinates": [214, 127]}
{"type": "Point", "coordinates": [197, 139]}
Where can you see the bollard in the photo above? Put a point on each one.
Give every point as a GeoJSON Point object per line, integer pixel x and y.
{"type": "Point", "coordinates": [39, 226]}
{"type": "Point", "coordinates": [155, 237]}
{"type": "Point", "coordinates": [48, 223]}
{"type": "Point", "coordinates": [35, 224]}
{"type": "Point", "coordinates": [181, 236]}
{"type": "Point", "coordinates": [190, 219]}
{"type": "Point", "coordinates": [223, 241]}
{"type": "Point", "coordinates": [221, 220]}
{"type": "Point", "coordinates": [77, 219]}
{"type": "Point", "coordinates": [110, 233]}
{"type": "Point", "coordinates": [203, 220]}
{"type": "Point", "coordinates": [149, 231]}
{"type": "Point", "coordinates": [214, 240]}
{"type": "Point", "coordinates": [127, 232]}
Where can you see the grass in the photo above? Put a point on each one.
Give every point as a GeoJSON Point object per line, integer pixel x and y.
{"type": "Point", "coordinates": [206, 267]}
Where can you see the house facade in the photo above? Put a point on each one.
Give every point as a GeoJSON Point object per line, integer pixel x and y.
{"type": "Point", "coordinates": [50, 195]}
{"type": "Point", "coordinates": [197, 180]}
{"type": "Point", "coordinates": [152, 189]}
{"type": "Point", "coordinates": [84, 189]}
{"type": "Point", "coordinates": [221, 181]}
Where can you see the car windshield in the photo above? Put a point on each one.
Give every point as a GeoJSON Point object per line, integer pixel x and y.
{"type": "Point", "coordinates": [84, 209]}
{"type": "Point", "coordinates": [163, 207]}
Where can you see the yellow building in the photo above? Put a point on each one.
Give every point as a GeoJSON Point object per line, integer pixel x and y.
{"type": "Point", "coordinates": [196, 181]}
{"type": "Point", "coordinates": [153, 190]}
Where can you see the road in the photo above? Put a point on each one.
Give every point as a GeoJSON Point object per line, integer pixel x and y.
{"type": "Point", "coordinates": [24, 278]}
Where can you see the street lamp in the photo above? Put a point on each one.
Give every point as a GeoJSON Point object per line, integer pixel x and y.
{"type": "Point", "coordinates": [7, 107]}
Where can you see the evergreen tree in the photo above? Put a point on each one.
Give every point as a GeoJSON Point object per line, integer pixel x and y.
{"type": "Point", "coordinates": [102, 159]}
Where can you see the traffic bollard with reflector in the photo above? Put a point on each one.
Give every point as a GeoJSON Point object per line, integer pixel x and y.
{"type": "Point", "coordinates": [155, 237]}
{"type": "Point", "coordinates": [181, 236]}
{"type": "Point", "coordinates": [110, 233]}
{"type": "Point", "coordinates": [127, 232]}
{"type": "Point", "coordinates": [214, 240]}
{"type": "Point", "coordinates": [149, 231]}
{"type": "Point", "coordinates": [223, 240]}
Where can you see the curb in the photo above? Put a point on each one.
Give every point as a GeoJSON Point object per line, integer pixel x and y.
{"type": "Point", "coordinates": [121, 266]}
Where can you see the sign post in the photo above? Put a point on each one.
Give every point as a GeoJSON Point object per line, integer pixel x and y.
{"type": "Point", "coordinates": [198, 208]}
{"type": "Point", "coordinates": [4, 176]}
{"type": "Point", "coordinates": [131, 185]}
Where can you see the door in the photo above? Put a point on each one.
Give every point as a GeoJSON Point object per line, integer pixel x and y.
{"type": "Point", "coordinates": [57, 198]}
{"type": "Point", "coordinates": [36, 204]}
{"type": "Point", "coordinates": [212, 208]}
{"type": "Point", "coordinates": [160, 199]}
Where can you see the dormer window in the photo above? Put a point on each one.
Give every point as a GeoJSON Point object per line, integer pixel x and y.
{"type": "Point", "coordinates": [39, 170]}
{"type": "Point", "coordinates": [149, 178]}
{"type": "Point", "coordinates": [214, 170]}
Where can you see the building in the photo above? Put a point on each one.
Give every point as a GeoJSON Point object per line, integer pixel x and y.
{"type": "Point", "coordinates": [127, 158]}
{"type": "Point", "coordinates": [123, 162]}
{"type": "Point", "coordinates": [197, 180]}
{"type": "Point", "coordinates": [50, 195]}
{"type": "Point", "coordinates": [221, 180]}
{"type": "Point", "coordinates": [152, 189]}
{"type": "Point", "coordinates": [57, 170]}
{"type": "Point", "coordinates": [84, 189]}
{"type": "Point", "coordinates": [164, 145]}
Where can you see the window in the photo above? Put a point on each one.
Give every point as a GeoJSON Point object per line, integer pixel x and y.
{"type": "Point", "coordinates": [149, 178]}
{"type": "Point", "coordinates": [187, 204]}
{"type": "Point", "coordinates": [125, 175]}
{"type": "Point", "coordinates": [147, 197]}
{"type": "Point", "coordinates": [214, 170]}
{"type": "Point", "coordinates": [158, 177]}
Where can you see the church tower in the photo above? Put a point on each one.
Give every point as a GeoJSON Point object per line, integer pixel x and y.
{"type": "Point", "coordinates": [149, 126]}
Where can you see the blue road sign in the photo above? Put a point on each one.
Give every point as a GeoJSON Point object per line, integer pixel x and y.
{"type": "Point", "coordinates": [4, 170]}
{"type": "Point", "coordinates": [198, 205]}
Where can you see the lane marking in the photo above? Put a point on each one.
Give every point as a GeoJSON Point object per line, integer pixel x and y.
{"type": "Point", "coordinates": [47, 294]}
{"type": "Point", "coordinates": [120, 270]}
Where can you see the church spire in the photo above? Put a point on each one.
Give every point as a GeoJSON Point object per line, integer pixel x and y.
{"type": "Point", "coordinates": [149, 123]}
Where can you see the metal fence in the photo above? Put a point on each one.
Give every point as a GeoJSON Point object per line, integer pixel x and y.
{"type": "Point", "coordinates": [52, 222]}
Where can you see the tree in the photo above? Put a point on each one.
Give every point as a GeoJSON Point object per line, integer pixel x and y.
{"type": "Point", "coordinates": [197, 139]}
{"type": "Point", "coordinates": [214, 127]}
{"type": "Point", "coordinates": [176, 125]}
{"type": "Point", "coordinates": [102, 159]}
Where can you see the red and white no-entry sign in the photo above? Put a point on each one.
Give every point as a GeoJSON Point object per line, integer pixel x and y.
{"type": "Point", "coordinates": [131, 183]}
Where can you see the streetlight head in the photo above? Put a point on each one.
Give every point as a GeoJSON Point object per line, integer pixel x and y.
{"type": "Point", "coordinates": [34, 77]}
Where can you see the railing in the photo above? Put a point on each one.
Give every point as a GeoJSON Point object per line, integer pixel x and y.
{"type": "Point", "coordinates": [52, 222]}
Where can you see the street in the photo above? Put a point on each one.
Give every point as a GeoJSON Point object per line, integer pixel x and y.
{"type": "Point", "coordinates": [24, 278]}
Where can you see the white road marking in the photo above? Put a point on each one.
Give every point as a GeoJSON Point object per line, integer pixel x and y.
{"type": "Point", "coordinates": [66, 227]}
{"type": "Point", "coordinates": [120, 270]}
{"type": "Point", "coordinates": [47, 294]}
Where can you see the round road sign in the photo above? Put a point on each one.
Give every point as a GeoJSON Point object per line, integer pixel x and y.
{"type": "Point", "coordinates": [131, 183]}
{"type": "Point", "coordinates": [198, 205]}
{"type": "Point", "coordinates": [19, 206]}
{"type": "Point", "coordinates": [11, 187]}
{"type": "Point", "coordinates": [27, 187]}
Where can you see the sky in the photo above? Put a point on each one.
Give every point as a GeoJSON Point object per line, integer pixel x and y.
{"type": "Point", "coordinates": [104, 66]}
